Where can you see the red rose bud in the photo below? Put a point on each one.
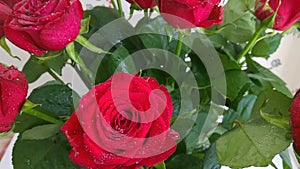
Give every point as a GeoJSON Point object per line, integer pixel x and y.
{"type": "Point", "coordinates": [122, 123]}
{"type": "Point", "coordinates": [13, 91]}
{"type": "Point", "coordinates": [191, 13]}
{"type": "Point", "coordinates": [40, 26]}
{"type": "Point", "coordinates": [144, 4]}
{"type": "Point", "coordinates": [288, 12]}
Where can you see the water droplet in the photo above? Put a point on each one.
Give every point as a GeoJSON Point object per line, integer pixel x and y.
{"type": "Point", "coordinates": [28, 162]}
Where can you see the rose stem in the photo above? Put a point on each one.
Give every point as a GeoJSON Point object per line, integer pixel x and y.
{"type": "Point", "coordinates": [85, 43]}
{"type": "Point", "coordinates": [179, 42]}
{"type": "Point", "coordinates": [251, 43]}
{"type": "Point", "coordinates": [114, 4]}
{"type": "Point", "coordinates": [55, 76]}
{"type": "Point", "coordinates": [43, 116]}
{"type": "Point", "coordinates": [120, 7]}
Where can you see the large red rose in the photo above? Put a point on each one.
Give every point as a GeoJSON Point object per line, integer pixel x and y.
{"type": "Point", "coordinates": [288, 12]}
{"type": "Point", "coordinates": [13, 91]}
{"type": "Point", "coordinates": [5, 11]}
{"type": "Point", "coordinates": [123, 123]}
{"type": "Point", "coordinates": [144, 4]}
{"type": "Point", "coordinates": [38, 26]}
{"type": "Point", "coordinates": [192, 13]}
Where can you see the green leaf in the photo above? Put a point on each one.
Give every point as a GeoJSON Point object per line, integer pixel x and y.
{"type": "Point", "coordinates": [57, 62]}
{"type": "Point", "coordinates": [33, 64]}
{"type": "Point", "coordinates": [192, 139]}
{"type": "Point", "coordinates": [252, 144]}
{"type": "Point", "coordinates": [236, 80]}
{"type": "Point", "coordinates": [199, 71]}
{"type": "Point", "coordinates": [24, 122]}
{"type": "Point", "coordinates": [114, 63]}
{"type": "Point", "coordinates": [229, 64]}
{"type": "Point", "coordinates": [55, 98]}
{"type": "Point", "coordinates": [277, 120]}
{"type": "Point", "coordinates": [4, 45]}
{"type": "Point", "coordinates": [256, 141]}
{"type": "Point", "coordinates": [184, 161]}
{"type": "Point", "coordinates": [267, 46]}
{"type": "Point", "coordinates": [268, 76]}
{"type": "Point", "coordinates": [52, 60]}
{"type": "Point", "coordinates": [48, 153]}
{"type": "Point", "coordinates": [243, 112]}
{"type": "Point", "coordinates": [240, 23]}
{"type": "Point", "coordinates": [41, 132]}
{"type": "Point", "coordinates": [85, 23]}
{"type": "Point", "coordinates": [161, 165]}
{"type": "Point", "coordinates": [211, 159]}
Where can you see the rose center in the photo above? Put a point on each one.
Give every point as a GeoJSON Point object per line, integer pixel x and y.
{"type": "Point", "coordinates": [121, 124]}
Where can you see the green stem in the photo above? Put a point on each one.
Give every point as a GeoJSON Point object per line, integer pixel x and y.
{"type": "Point", "coordinates": [120, 7]}
{"type": "Point", "coordinates": [55, 76]}
{"type": "Point", "coordinates": [77, 59]}
{"type": "Point", "coordinates": [179, 43]}
{"type": "Point", "coordinates": [114, 4]}
{"type": "Point", "coordinates": [84, 42]}
{"type": "Point", "coordinates": [251, 43]}
{"type": "Point", "coordinates": [43, 116]}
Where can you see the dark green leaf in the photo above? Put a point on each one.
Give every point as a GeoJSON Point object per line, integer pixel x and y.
{"type": "Point", "coordinates": [184, 161]}
{"type": "Point", "coordinates": [25, 121]}
{"type": "Point", "coordinates": [114, 63]}
{"type": "Point", "coordinates": [211, 159]}
{"type": "Point", "coordinates": [236, 80]}
{"type": "Point", "coordinates": [33, 64]}
{"type": "Point", "coordinates": [55, 98]}
{"type": "Point", "coordinates": [47, 153]}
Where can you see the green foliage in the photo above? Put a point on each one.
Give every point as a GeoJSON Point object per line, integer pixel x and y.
{"type": "Point", "coordinates": [256, 141]}
{"type": "Point", "coordinates": [52, 61]}
{"type": "Point", "coordinates": [33, 154]}
{"type": "Point", "coordinates": [240, 24]}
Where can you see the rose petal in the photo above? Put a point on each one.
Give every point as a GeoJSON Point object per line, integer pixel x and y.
{"type": "Point", "coordinates": [21, 39]}
{"type": "Point", "coordinates": [59, 33]}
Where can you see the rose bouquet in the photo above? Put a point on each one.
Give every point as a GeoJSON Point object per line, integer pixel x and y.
{"type": "Point", "coordinates": [168, 84]}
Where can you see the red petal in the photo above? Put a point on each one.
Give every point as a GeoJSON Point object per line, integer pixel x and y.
{"type": "Point", "coordinates": [59, 33]}
{"type": "Point", "coordinates": [13, 91]}
{"type": "Point", "coordinates": [21, 39]}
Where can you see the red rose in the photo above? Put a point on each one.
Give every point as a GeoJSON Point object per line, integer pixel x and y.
{"type": "Point", "coordinates": [40, 26]}
{"type": "Point", "coordinates": [122, 123]}
{"type": "Point", "coordinates": [144, 4]}
{"type": "Point", "coordinates": [295, 120]}
{"type": "Point", "coordinates": [193, 13]}
{"type": "Point", "coordinates": [5, 11]}
{"type": "Point", "coordinates": [13, 91]}
{"type": "Point", "coordinates": [288, 12]}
